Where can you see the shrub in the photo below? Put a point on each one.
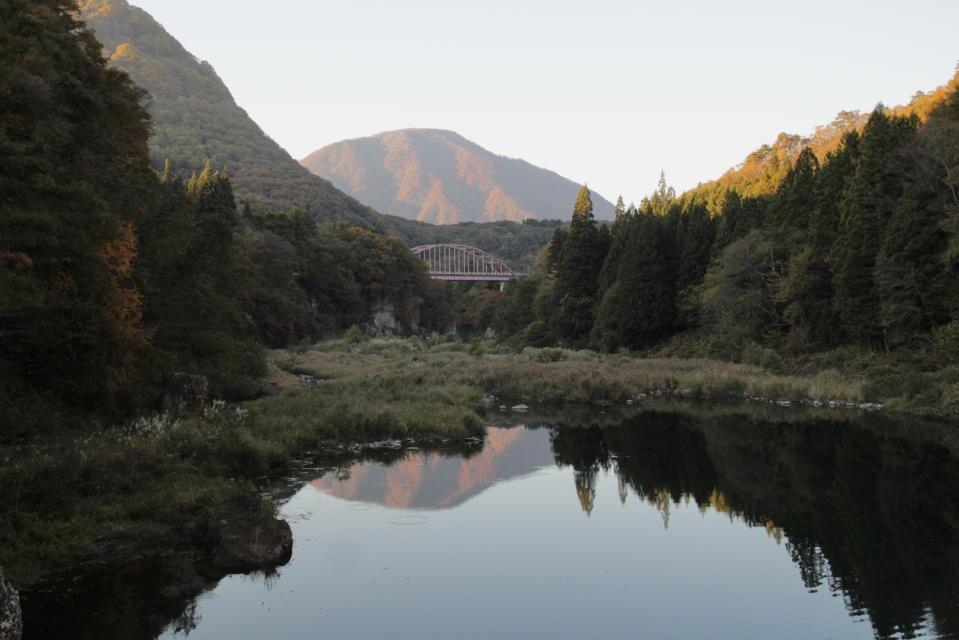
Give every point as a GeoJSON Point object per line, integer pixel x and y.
{"type": "Point", "coordinates": [550, 355]}
{"type": "Point", "coordinates": [760, 356]}
{"type": "Point", "coordinates": [946, 340]}
{"type": "Point", "coordinates": [354, 335]}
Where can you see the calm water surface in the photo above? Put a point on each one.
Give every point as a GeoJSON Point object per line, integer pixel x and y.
{"type": "Point", "coordinates": [661, 526]}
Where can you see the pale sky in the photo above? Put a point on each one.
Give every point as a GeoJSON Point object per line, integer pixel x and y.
{"type": "Point", "coordinates": [606, 92]}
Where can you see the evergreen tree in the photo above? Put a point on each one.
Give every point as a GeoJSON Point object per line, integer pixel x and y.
{"type": "Point", "coordinates": [807, 299]}
{"type": "Point", "coordinates": [578, 274]}
{"type": "Point", "coordinates": [866, 207]}
{"type": "Point", "coordinates": [831, 183]}
{"type": "Point", "coordinates": [638, 308]}
{"type": "Point", "coordinates": [617, 244]}
{"type": "Point", "coordinates": [694, 241]}
{"type": "Point", "coordinates": [790, 209]}
{"type": "Point", "coordinates": [663, 197]}
{"type": "Point", "coordinates": [554, 251]}
{"type": "Point", "coordinates": [910, 277]}
{"type": "Point", "coordinates": [620, 208]}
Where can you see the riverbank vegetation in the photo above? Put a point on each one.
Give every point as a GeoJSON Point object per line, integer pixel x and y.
{"type": "Point", "coordinates": [172, 480]}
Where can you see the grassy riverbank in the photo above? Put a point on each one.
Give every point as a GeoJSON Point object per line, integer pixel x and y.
{"type": "Point", "coordinates": [558, 375]}
{"type": "Point", "coordinates": [169, 480]}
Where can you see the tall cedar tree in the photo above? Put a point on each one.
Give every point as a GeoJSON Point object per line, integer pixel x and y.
{"type": "Point", "coordinates": [866, 207]}
{"type": "Point", "coordinates": [790, 209]}
{"type": "Point", "coordinates": [578, 274]}
{"type": "Point", "coordinates": [831, 183]}
{"type": "Point", "coordinates": [638, 308]}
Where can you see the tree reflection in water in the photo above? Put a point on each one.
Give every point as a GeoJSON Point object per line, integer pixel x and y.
{"type": "Point", "coordinates": [870, 511]}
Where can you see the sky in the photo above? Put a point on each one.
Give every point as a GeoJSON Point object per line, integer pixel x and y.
{"type": "Point", "coordinates": [605, 92]}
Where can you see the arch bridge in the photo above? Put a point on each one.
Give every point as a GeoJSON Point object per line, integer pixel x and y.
{"type": "Point", "coordinates": [463, 262]}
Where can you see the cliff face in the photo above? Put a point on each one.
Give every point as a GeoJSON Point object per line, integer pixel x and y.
{"type": "Point", "coordinates": [438, 176]}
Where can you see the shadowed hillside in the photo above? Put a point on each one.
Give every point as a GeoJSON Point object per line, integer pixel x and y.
{"type": "Point", "coordinates": [438, 176]}
{"type": "Point", "coordinates": [196, 119]}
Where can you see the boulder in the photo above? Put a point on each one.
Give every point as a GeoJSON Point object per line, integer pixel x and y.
{"type": "Point", "coordinates": [244, 545]}
{"type": "Point", "coordinates": [11, 617]}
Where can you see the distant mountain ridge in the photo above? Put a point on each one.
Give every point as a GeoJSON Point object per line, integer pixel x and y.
{"type": "Point", "coordinates": [438, 176]}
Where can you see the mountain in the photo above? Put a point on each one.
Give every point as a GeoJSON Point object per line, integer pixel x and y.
{"type": "Point", "coordinates": [439, 176]}
{"type": "Point", "coordinates": [196, 119]}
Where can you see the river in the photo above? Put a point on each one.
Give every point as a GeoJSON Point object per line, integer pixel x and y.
{"type": "Point", "coordinates": [694, 523]}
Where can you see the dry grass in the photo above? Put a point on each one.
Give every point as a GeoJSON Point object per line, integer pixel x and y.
{"type": "Point", "coordinates": [555, 375]}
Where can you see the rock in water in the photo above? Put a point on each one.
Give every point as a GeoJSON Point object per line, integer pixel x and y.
{"type": "Point", "coordinates": [245, 545]}
{"type": "Point", "coordinates": [11, 617]}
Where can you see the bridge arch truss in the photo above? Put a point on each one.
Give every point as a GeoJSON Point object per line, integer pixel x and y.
{"type": "Point", "coordinates": [463, 262]}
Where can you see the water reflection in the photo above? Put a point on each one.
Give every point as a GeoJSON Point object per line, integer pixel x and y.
{"type": "Point", "coordinates": [424, 480]}
{"type": "Point", "coordinates": [678, 523]}
{"type": "Point", "coordinates": [869, 511]}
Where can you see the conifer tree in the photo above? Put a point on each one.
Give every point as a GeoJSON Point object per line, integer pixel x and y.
{"type": "Point", "coordinates": [638, 308]}
{"type": "Point", "coordinates": [617, 244]}
{"type": "Point", "coordinates": [191, 185]}
{"type": "Point", "coordinates": [663, 197]}
{"type": "Point", "coordinates": [792, 205]}
{"type": "Point", "coordinates": [866, 207]}
{"type": "Point", "coordinates": [910, 278]}
{"type": "Point", "coordinates": [694, 242]}
{"type": "Point", "coordinates": [578, 273]}
{"type": "Point", "coordinates": [831, 183]}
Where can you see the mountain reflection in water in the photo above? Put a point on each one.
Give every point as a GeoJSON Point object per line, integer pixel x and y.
{"type": "Point", "coordinates": [434, 481]}
{"type": "Point", "coordinates": [686, 523]}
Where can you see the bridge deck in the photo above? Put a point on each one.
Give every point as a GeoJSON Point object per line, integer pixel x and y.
{"type": "Point", "coordinates": [475, 277]}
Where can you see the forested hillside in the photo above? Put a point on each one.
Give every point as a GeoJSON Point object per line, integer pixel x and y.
{"type": "Point", "coordinates": [439, 176]}
{"type": "Point", "coordinates": [765, 168]}
{"type": "Point", "coordinates": [196, 120]}
{"type": "Point", "coordinates": [859, 249]}
{"type": "Point", "coordinates": [114, 276]}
